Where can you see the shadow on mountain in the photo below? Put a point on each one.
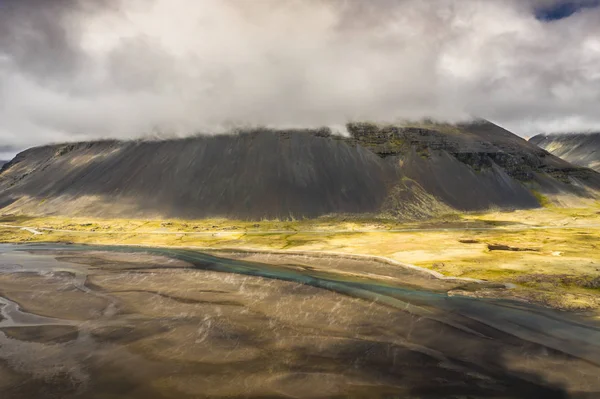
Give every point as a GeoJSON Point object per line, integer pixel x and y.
{"type": "Point", "coordinates": [408, 172]}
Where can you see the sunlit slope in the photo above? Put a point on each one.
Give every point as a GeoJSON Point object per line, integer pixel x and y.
{"type": "Point", "coordinates": [409, 171]}
{"type": "Point", "coordinates": [579, 149]}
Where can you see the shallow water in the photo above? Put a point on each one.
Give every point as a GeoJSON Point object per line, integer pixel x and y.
{"type": "Point", "coordinates": [123, 322]}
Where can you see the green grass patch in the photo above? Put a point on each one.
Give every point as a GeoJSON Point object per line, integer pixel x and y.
{"type": "Point", "coordinates": [541, 199]}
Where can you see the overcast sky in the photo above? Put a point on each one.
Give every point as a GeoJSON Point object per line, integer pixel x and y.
{"type": "Point", "coordinates": [75, 69]}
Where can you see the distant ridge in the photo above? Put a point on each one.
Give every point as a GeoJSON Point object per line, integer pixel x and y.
{"type": "Point", "coordinates": [409, 171]}
{"type": "Point", "coordinates": [581, 149]}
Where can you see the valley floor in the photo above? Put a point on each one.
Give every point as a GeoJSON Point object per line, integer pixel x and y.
{"type": "Point", "coordinates": [549, 255]}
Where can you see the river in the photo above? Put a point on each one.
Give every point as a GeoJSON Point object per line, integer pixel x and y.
{"type": "Point", "coordinates": [131, 322]}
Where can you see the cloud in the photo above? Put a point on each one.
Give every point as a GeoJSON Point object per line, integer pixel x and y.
{"type": "Point", "coordinates": [75, 69]}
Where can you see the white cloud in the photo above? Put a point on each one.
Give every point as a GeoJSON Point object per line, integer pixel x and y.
{"type": "Point", "coordinates": [135, 67]}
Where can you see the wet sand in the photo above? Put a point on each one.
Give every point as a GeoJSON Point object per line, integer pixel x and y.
{"type": "Point", "coordinates": [94, 322]}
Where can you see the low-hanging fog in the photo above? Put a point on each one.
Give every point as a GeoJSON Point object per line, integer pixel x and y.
{"type": "Point", "coordinates": [75, 69]}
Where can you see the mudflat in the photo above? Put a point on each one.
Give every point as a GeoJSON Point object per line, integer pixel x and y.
{"type": "Point", "coordinates": [102, 322]}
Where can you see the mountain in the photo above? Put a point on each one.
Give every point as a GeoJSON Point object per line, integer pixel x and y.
{"type": "Point", "coordinates": [408, 171]}
{"type": "Point", "coordinates": [580, 149]}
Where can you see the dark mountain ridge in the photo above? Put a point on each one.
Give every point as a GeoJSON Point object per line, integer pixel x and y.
{"type": "Point", "coordinates": [410, 171]}
{"type": "Point", "coordinates": [581, 149]}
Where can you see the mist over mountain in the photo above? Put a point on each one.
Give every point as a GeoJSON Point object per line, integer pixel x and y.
{"type": "Point", "coordinates": [581, 149]}
{"type": "Point", "coordinates": [408, 172]}
{"type": "Point", "coordinates": [182, 72]}
{"type": "Point", "coordinates": [77, 70]}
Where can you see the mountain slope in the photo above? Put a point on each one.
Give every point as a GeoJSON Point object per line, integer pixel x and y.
{"type": "Point", "coordinates": [581, 149]}
{"type": "Point", "coordinates": [478, 165]}
{"type": "Point", "coordinates": [404, 171]}
{"type": "Point", "coordinates": [250, 175]}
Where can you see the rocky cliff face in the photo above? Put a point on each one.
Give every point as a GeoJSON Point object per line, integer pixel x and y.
{"type": "Point", "coordinates": [408, 171]}
{"type": "Point", "coordinates": [579, 149]}
{"type": "Point", "coordinates": [476, 165]}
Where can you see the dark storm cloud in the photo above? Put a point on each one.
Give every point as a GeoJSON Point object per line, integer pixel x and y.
{"type": "Point", "coordinates": [75, 69]}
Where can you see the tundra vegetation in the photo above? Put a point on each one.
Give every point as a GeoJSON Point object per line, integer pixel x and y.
{"type": "Point", "coordinates": [548, 255]}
